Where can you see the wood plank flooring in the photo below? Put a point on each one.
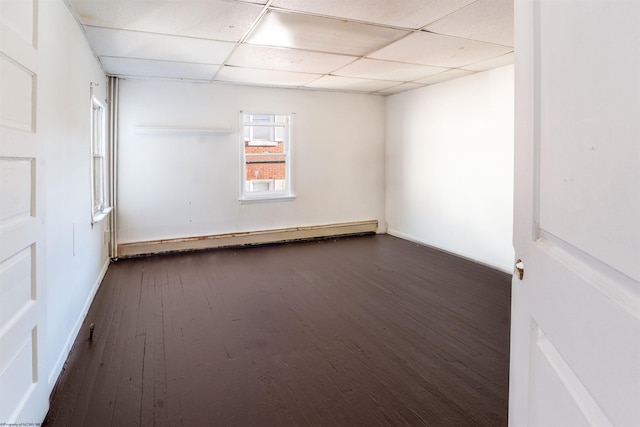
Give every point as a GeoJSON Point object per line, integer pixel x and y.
{"type": "Point", "coordinates": [363, 331]}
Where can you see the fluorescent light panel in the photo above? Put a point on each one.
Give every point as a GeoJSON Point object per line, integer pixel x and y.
{"type": "Point", "coordinates": [315, 33]}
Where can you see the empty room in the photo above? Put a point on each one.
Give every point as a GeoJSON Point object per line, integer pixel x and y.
{"type": "Point", "coordinates": [328, 213]}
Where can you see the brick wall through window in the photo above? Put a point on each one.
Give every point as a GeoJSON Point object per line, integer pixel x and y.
{"type": "Point", "coordinates": [264, 167]}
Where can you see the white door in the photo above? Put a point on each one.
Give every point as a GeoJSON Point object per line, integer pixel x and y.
{"type": "Point", "coordinates": [23, 388]}
{"type": "Point", "coordinates": [575, 339]}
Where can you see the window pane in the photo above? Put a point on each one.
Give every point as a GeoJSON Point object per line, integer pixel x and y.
{"type": "Point", "coordinates": [98, 186]}
{"type": "Point", "coordinates": [266, 168]}
{"type": "Point", "coordinates": [98, 177]}
{"type": "Point", "coordinates": [253, 148]}
{"type": "Point", "coordinates": [279, 130]}
{"type": "Point", "coordinates": [258, 118]}
{"type": "Point", "coordinates": [97, 129]}
{"type": "Point", "coordinates": [261, 133]}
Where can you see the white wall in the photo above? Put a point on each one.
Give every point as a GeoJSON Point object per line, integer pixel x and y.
{"type": "Point", "coordinates": [449, 166]}
{"type": "Point", "coordinates": [173, 186]}
{"type": "Point", "coordinates": [76, 255]}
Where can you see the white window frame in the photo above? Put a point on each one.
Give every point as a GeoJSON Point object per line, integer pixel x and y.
{"type": "Point", "coordinates": [281, 131]}
{"type": "Point", "coordinates": [275, 134]}
{"type": "Point", "coordinates": [99, 207]}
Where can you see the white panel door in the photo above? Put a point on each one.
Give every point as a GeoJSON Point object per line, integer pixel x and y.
{"type": "Point", "coordinates": [575, 340]}
{"type": "Point", "coordinates": [23, 388]}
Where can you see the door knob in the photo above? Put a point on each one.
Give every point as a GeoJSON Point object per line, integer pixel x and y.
{"type": "Point", "coordinates": [520, 268]}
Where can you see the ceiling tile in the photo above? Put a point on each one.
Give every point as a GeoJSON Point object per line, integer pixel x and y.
{"type": "Point", "coordinates": [488, 64]}
{"type": "Point", "coordinates": [360, 46]}
{"type": "Point", "coordinates": [386, 70]}
{"type": "Point", "coordinates": [264, 77]}
{"type": "Point", "coordinates": [128, 67]}
{"type": "Point", "coordinates": [212, 19]}
{"type": "Point", "coordinates": [352, 84]}
{"type": "Point", "coordinates": [438, 50]}
{"type": "Point", "coordinates": [401, 88]}
{"type": "Point", "coordinates": [485, 20]}
{"type": "Point", "coordinates": [321, 34]}
{"type": "Point", "coordinates": [447, 75]}
{"type": "Point", "coordinates": [133, 44]}
{"type": "Point", "coordinates": [273, 58]}
{"type": "Point", "coordinates": [398, 13]}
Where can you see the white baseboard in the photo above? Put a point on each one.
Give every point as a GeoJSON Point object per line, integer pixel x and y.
{"type": "Point", "coordinates": [245, 238]}
{"type": "Point", "coordinates": [73, 334]}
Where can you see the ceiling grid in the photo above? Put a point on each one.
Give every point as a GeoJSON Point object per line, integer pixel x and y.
{"type": "Point", "coordinates": [363, 46]}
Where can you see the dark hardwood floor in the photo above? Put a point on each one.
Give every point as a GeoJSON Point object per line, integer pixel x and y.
{"type": "Point", "coordinates": [359, 331]}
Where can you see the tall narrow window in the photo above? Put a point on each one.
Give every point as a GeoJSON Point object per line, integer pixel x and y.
{"type": "Point", "coordinates": [266, 156]}
{"type": "Point", "coordinates": [98, 162]}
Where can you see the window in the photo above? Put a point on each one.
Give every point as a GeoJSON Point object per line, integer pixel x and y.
{"type": "Point", "coordinates": [266, 157]}
{"type": "Point", "coordinates": [263, 135]}
{"type": "Point", "coordinates": [98, 163]}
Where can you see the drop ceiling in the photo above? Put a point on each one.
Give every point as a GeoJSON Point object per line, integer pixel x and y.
{"type": "Point", "coordinates": [365, 46]}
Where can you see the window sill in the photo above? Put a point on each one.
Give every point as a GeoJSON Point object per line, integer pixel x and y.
{"type": "Point", "coordinates": [100, 215]}
{"type": "Point", "coordinates": [266, 199]}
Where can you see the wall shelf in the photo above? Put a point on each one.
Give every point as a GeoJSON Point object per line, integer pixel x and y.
{"type": "Point", "coordinates": [163, 130]}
